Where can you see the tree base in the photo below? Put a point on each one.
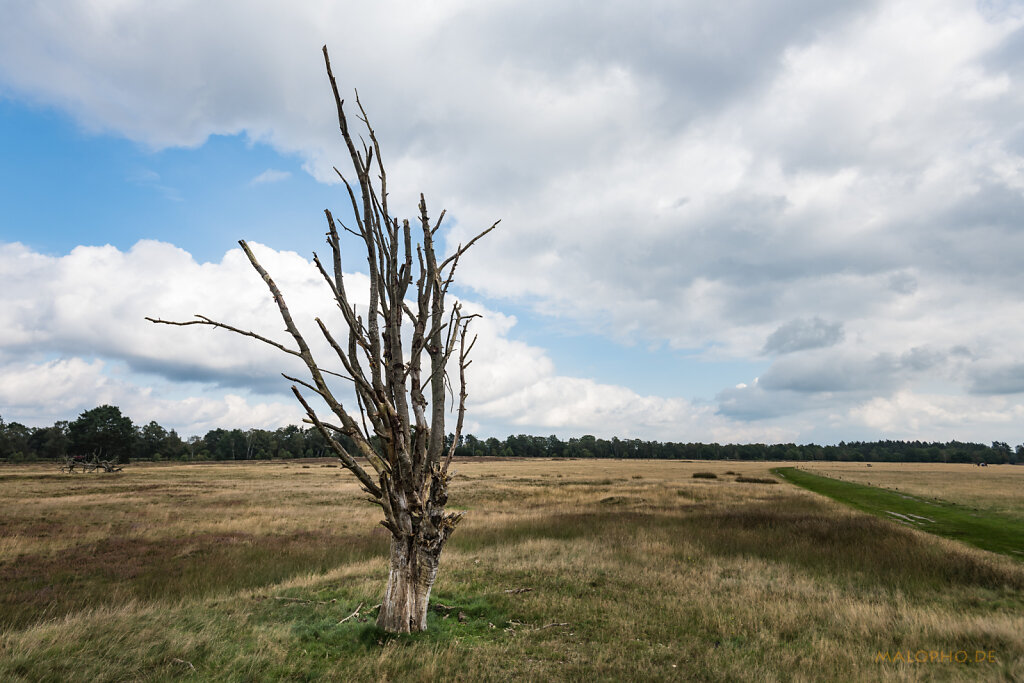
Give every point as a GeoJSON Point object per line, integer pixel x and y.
{"type": "Point", "coordinates": [410, 579]}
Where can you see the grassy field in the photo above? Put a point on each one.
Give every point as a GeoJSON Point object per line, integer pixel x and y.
{"type": "Point", "coordinates": [621, 571]}
{"type": "Point", "coordinates": [996, 489]}
{"type": "Point", "coordinates": [983, 529]}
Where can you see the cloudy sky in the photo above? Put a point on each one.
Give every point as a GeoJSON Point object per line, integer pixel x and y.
{"type": "Point", "coordinates": [745, 221]}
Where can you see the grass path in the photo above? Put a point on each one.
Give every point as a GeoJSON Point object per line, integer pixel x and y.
{"type": "Point", "coordinates": [982, 529]}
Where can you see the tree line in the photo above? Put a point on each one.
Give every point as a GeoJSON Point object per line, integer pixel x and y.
{"type": "Point", "coordinates": [857, 451]}
{"type": "Point", "coordinates": [111, 434]}
{"type": "Point", "coordinates": [106, 431]}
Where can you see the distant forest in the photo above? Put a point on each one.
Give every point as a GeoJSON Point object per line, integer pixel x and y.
{"type": "Point", "coordinates": [106, 431]}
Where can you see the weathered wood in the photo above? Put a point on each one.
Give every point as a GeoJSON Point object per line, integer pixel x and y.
{"type": "Point", "coordinates": [353, 615]}
{"type": "Point", "coordinates": [71, 462]}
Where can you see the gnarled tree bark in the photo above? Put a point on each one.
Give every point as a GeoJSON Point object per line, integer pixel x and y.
{"type": "Point", "coordinates": [399, 374]}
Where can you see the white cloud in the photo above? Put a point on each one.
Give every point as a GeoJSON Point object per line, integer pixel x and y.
{"type": "Point", "coordinates": [673, 173]}
{"type": "Point", "coordinates": [93, 302]}
{"type": "Point", "coordinates": [54, 388]}
{"type": "Point", "coordinates": [42, 393]}
{"type": "Point", "coordinates": [940, 417]}
{"type": "Point", "coordinates": [271, 175]}
{"type": "Point", "coordinates": [554, 402]}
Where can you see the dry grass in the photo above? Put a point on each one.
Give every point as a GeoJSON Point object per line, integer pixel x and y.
{"type": "Point", "coordinates": [659, 576]}
{"type": "Point", "coordinates": [996, 488]}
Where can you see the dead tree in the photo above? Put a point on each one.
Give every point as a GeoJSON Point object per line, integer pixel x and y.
{"type": "Point", "coordinates": [397, 360]}
{"type": "Point", "coordinates": [106, 465]}
{"type": "Point", "coordinates": [86, 465]}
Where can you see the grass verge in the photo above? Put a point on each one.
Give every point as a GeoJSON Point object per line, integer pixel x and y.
{"type": "Point", "coordinates": [978, 528]}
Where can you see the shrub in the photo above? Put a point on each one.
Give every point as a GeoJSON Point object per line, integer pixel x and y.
{"type": "Point", "coordinates": [756, 480]}
{"type": "Point", "coordinates": [705, 475]}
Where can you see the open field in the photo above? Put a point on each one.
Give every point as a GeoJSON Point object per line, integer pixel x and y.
{"type": "Point", "coordinates": [635, 571]}
{"type": "Point", "coordinates": [996, 488]}
{"type": "Point", "coordinates": [983, 529]}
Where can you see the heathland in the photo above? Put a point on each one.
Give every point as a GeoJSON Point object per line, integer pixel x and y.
{"type": "Point", "coordinates": [981, 527]}
{"type": "Point", "coordinates": [562, 570]}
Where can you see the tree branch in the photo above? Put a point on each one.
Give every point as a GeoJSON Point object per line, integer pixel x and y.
{"type": "Point", "coordinates": [203, 320]}
{"type": "Point", "coordinates": [344, 455]}
{"type": "Point", "coordinates": [462, 249]}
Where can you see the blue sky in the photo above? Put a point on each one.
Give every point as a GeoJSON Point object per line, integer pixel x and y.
{"type": "Point", "coordinates": [791, 223]}
{"type": "Point", "coordinates": [116, 191]}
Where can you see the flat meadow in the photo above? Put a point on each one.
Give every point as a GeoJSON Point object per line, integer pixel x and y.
{"type": "Point", "coordinates": [561, 570]}
{"type": "Point", "coordinates": [995, 488]}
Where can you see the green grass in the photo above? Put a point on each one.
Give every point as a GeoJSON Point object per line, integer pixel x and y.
{"type": "Point", "coordinates": [979, 528]}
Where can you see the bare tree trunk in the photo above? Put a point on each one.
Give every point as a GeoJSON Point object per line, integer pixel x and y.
{"type": "Point", "coordinates": [412, 575]}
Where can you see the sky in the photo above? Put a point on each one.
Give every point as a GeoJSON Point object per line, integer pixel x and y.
{"type": "Point", "coordinates": [754, 221]}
